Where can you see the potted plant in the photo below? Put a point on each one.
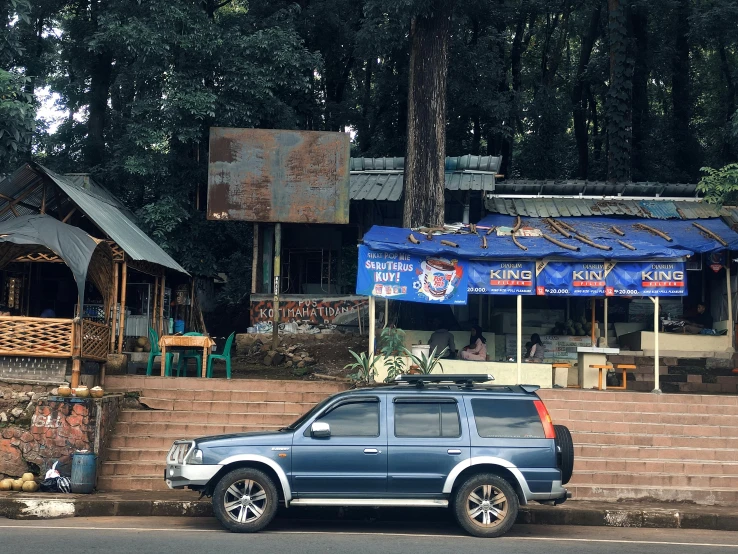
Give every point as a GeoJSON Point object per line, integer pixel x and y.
{"type": "Point", "coordinates": [426, 364]}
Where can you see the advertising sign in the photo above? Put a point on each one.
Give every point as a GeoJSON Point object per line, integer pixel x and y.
{"type": "Point", "coordinates": [647, 279]}
{"type": "Point", "coordinates": [402, 276]}
{"type": "Point", "coordinates": [570, 278]}
{"type": "Point", "coordinates": [501, 277]}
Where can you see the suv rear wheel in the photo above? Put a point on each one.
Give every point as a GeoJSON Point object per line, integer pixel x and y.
{"type": "Point", "coordinates": [245, 500]}
{"type": "Point", "coordinates": [486, 505]}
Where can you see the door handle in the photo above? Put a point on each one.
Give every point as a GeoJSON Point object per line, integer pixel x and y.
{"type": "Point", "coordinates": [454, 452]}
{"type": "Point", "coordinates": [371, 451]}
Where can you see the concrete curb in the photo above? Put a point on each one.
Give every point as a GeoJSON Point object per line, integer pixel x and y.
{"type": "Point", "coordinates": [596, 514]}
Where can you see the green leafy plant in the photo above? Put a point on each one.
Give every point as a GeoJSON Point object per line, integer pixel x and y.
{"type": "Point", "coordinates": [426, 364]}
{"type": "Point", "coordinates": [392, 347]}
{"type": "Point", "coordinates": [720, 185]}
{"type": "Point", "coordinates": [363, 367]}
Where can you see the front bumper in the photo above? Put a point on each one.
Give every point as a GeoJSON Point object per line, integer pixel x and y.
{"type": "Point", "coordinates": [180, 476]}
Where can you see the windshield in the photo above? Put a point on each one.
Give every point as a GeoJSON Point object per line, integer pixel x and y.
{"type": "Point", "coordinates": [300, 420]}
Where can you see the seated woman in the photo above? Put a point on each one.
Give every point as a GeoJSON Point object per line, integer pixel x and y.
{"type": "Point", "coordinates": [477, 347]}
{"type": "Point", "coordinates": [535, 352]}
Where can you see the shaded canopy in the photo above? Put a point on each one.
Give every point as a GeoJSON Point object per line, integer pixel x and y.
{"type": "Point", "coordinates": [78, 250]}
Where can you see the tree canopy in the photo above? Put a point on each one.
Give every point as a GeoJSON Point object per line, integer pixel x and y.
{"type": "Point", "coordinates": [590, 89]}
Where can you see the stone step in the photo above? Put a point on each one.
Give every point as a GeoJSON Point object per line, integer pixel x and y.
{"type": "Point", "coordinates": [671, 467]}
{"type": "Point", "coordinates": [676, 408]}
{"type": "Point", "coordinates": [139, 382]}
{"type": "Point", "coordinates": [233, 418]}
{"type": "Point", "coordinates": [113, 483]}
{"type": "Point", "coordinates": [654, 440]}
{"type": "Point", "coordinates": [620, 397]}
{"type": "Point", "coordinates": [624, 453]}
{"type": "Point", "coordinates": [640, 417]}
{"type": "Point", "coordinates": [615, 493]}
{"type": "Point", "coordinates": [225, 406]}
{"type": "Point", "coordinates": [165, 442]}
{"type": "Point", "coordinates": [191, 430]}
{"type": "Point", "coordinates": [599, 478]}
{"type": "Point", "coordinates": [136, 454]}
{"type": "Point", "coordinates": [133, 469]}
{"type": "Point", "coordinates": [671, 430]}
{"type": "Point", "coordinates": [235, 396]}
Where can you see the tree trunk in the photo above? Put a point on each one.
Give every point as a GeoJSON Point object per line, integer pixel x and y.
{"type": "Point", "coordinates": [730, 104]}
{"type": "Point", "coordinates": [579, 97]}
{"type": "Point", "coordinates": [619, 113]}
{"type": "Point", "coordinates": [365, 127]}
{"type": "Point", "coordinates": [101, 71]}
{"type": "Point", "coordinates": [684, 153]}
{"type": "Point", "coordinates": [426, 117]}
{"type": "Point", "coordinates": [639, 22]}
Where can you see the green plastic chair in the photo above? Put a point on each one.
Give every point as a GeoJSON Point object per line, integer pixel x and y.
{"type": "Point", "coordinates": [187, 354]}
{"type": "Point", "coordinates": [155, 352]}
{"type": "Point", "coordinates": [226, 356]}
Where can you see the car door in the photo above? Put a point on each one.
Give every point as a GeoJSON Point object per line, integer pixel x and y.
{"type": "Point", "coordinates": [427, 437]}
{"type": "Point", "coordinates": [352, 461]}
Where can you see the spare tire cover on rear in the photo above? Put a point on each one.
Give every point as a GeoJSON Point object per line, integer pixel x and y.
{"type": "Point", "coordinates": [566, 445]}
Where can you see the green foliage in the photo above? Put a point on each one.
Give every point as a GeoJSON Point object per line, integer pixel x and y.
{"type": "Point", "coordinates": [426, 364]}
{"type": "Point", "coordinates": [720, 186]}
{"type": "Point", "coordinates": [392, 345]}
{"type": "Point", "coordinates": [17, 118]}
{"type": "Point", "coordinates": [363, 367]}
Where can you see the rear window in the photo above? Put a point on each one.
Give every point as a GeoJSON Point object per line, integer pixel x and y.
{"type": "Point", "coordinates": [497, 418]}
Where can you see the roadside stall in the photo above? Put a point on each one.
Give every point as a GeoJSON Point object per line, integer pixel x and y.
{"type": "Point", "coordinates": [597, 258]}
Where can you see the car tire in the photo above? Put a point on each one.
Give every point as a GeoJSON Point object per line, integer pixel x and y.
{"type": "Point", "coordinates": [245, 500]}
{"type": "Point", "coordinates": [566, 456]}
{"type": "Point", "coordinates": [486, 505]}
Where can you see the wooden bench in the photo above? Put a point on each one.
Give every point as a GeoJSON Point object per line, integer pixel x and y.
{"type": "Point", "coordinates": [567, 366]}
{"type": "Point", "coordinates": [624, 368]}
{"type": "Point", "coordinates": [601, 368]}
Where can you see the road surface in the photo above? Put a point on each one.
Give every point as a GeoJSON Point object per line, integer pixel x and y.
{"type": "Point", "coordinates": [144, 535]}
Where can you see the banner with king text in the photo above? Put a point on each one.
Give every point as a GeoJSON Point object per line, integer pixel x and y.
{"type": "Point", "coordinates": [647, 279]}
{"type": "Point", "coordinates": [504, 278]}
{"type": "Point", "coordinates": [413, 278]}
{"type": "Point", "coordinates": [570, 278]}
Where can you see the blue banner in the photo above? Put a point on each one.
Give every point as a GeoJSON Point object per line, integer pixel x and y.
{"type": "Point", "coordinates": [401, 276]}
{"type": "Point", "coordinates": [501, 277]}
{"type": "Point", "coordinates": [647, 279]}
{"type": "Point", "coordinates": [570, 279]}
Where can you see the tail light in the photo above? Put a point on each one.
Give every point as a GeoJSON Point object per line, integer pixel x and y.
{"type": "Point", "coordinates": [548, 426]}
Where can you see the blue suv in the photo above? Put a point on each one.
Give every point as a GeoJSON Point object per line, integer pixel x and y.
{"type": "Point", "coordinates": [428, 441]}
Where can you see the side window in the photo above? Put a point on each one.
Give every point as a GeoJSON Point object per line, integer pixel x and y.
{"type": "Point", "coordinates": [354, 419]}
{"type": "Point", "coordinates": [427, 419]}
{"type": "Point", "coordinates": [497, 418]}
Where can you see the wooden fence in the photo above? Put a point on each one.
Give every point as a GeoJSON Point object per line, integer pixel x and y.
{"type": "Point", "coordinates": [52, 338]}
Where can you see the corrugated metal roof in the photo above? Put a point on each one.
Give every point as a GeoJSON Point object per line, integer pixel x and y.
{"type": "Point", "coordinates": [594, 188]}
{"type": "Point", "coordinates": [578, 207]}
{"type": "Point", "coordinates": [387, 185]}
{"type": "Point", "coordinates": [99, 205]}
{"type": "Point", "coordinates": [453, 163]}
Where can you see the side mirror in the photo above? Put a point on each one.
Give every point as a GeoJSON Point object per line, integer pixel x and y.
{"type": "Point", "coordinates": [320, 430]}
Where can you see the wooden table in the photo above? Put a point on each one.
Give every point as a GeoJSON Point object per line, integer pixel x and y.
{"type": "Point", "coordinates": [186, 341]}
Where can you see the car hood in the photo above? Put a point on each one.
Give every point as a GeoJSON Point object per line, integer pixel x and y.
{"type": "Point", "coordinates": [256, 438]}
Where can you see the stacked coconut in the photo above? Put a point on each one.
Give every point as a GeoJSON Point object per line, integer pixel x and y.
{"type": "Point", "coordinates": [27, 483]}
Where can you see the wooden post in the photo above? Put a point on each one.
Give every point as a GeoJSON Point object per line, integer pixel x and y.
{"type": "Point", "coordinates": [519, 346]}
{"type": "Point", "coordinates": [114, 306]}
{"type": "Point", "coordinates": [255, 260]}
{"type": "Point", "coordinates": [155, 305]}
{"type": "Point", "coordinates": [123, 284]}
{"type": "Point", "coordinates": [607, 341]}
{"type": "Point", "coordinates": [76, 352]}
{"type": "Point", "coordinates": [163, 285]}
{"type": "Point", "coordinates": [594, 343]}
{"type": "Point", "coordinates": [191, 322]}
{"type": "Point", "coordinates": [731, 331]}
{"type": "Point", "coordinates": [372, 327]}
{"type": "Point", "coordinates": [656, 325]}
{"type": "Point", "coordinates": [277, 272]}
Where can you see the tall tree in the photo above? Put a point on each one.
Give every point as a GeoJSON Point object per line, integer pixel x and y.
{"type": "Point", "coordinates": [619, 113]}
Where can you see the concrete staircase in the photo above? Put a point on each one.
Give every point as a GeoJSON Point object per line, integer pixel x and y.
{"type": "Point", "coordinates": [669, 447]}
{"type": "Point", "coordinates": [190, 408]}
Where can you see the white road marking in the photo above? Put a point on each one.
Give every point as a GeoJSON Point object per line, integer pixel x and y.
{"type": "Point", "coordinates": [381, 534]}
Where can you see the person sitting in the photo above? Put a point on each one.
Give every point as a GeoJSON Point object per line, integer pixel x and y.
{"type": "Point", "coordinates": [440, 339]}
{"type": "Point", "coordinates": [48, 312]}
{"type": "Point", "coordinates": [702, 323]}
{"type": "Point", "coordinates": [534, 354]}
{"type": "Point", "coordinates": [476, 350]}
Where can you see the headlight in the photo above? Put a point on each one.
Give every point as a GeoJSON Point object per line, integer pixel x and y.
{"type": "Point", "coordinates": [195, 457]}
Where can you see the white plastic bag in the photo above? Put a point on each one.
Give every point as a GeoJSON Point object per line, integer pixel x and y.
{"type": "Point", "coordinates": [52, 473]}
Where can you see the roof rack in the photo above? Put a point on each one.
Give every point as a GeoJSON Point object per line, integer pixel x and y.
{"type": "Point", "coordinates": [467, 380]}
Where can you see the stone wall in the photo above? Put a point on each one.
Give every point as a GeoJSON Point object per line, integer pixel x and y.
{"type": "Point", "coordinates": [59, 426]}
{"type": "Point", "coordinates": [25, 368]}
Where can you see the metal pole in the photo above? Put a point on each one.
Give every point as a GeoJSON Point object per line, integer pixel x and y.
{"type": "Point", "coordinates": [122, 319]}
{"type": "Point", "coordinates": [277, 273]}
{"type": "Point", "coordinates": [656, 325]}
{"type": "Point", "coordinates": [607, 342]}
{"type": "Point", "coordinates": [519, 356]}
{"type": "Point", "coordinates": [164, 330]}
{"type": "Point", "coordinates": [731, 331]}
{"type": "Point", "coordinates": [372, 326]}
{"type": "Point", "coordinates": [593, 323]}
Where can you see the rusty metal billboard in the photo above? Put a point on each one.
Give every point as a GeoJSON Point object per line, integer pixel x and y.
{"type": "Point", "coordinates": [278, 176]}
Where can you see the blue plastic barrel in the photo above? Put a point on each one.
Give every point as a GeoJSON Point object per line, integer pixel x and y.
{"type": "Point", "coordinates": [83, 472]}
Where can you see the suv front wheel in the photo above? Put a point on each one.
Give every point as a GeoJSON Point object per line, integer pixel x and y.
{"type": "Point", "coordinates": [245, 500]}
{"type": "Point", "coordinates": [486, 505]}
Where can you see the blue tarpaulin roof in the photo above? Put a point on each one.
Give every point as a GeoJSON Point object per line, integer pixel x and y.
{"type": "Point", "coordinates": [686, 240]}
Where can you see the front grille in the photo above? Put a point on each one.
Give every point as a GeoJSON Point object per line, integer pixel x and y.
{"type": "Point", "coordinates": [178, 452]}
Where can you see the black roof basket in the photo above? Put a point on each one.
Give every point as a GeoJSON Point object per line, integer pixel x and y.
{"type": "Point", "coordinates": [467, 380]}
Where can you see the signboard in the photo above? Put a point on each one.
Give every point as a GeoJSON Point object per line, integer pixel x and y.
{"type": "Point", "coordinates": [717, 260]}
{"type": "Point", "coordinates": [299, 309]}
{"type": "Point", "coordinates": [270, 175]}
{"type": "Point", "coordinates": [555, 347]}
{"type": "Point", "coordinates": [402, 276]}
{"type": "Point", "coordinates": [647, 279]}
{"type": "Point", "coordinates": [501, 277]}
{"type": "Point", "coordinates": [570, 278]}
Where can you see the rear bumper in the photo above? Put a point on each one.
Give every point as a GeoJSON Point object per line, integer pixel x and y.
{"type": "Point", "coordinates": [180, 476]}
{"type": "Point", "coordinates": [558, 493]}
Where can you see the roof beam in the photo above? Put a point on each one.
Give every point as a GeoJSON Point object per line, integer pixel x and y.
{"type": "Point", "coordinates": [18, 199]}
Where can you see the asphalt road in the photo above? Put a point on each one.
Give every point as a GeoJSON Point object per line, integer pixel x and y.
{"type": "Point", "coordinates": [144, 535]}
